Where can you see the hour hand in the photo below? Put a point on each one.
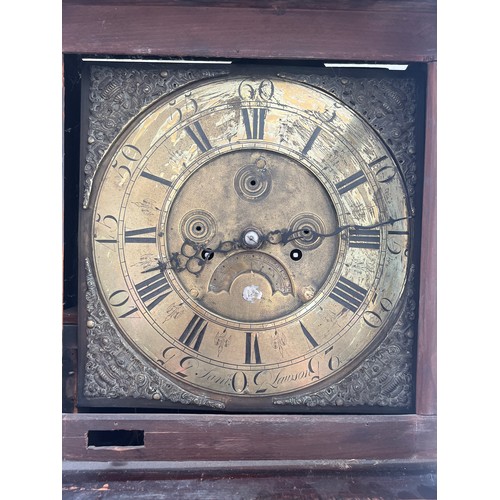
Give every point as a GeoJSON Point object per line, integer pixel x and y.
{"type": "Point", "coordinates": [162, 266]}
{"type": "Point", "coordinates": [193, 257]}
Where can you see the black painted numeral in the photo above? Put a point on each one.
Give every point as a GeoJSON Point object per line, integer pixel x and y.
{"type": "Point", "coordinates": [155, 178]}
{"type": "Point", "coordinates": [131, 152]}
{"type": "Point", "coordinates": [201, 140]}
{"type": "Point", "coordinates": [194, 332]}
{"type": "Point", "coordinates": [348, 294]}
{"type": "Point", "coordinates": [111, 225]}
{"type": "Point", "coordinates": [151, 291]}
{"type": "Point", "coordinates": [377, 161]}
{"type": "Point", "coordinates": [308, 336]}
{"type": "Point", "coordinates": [383, 173]}
{"type": "Point", "coordinates": [137, 235]}
{"type": "Point", "coordinates": [118, 298]}
{"type": "Point", "coordinates": [351, 182]}
{"type": "Point", "coordinates": [104, 241]}
{"type": "Point", "coordinates": [364, 238]}
{"type": "Point", "coordinates": [252, 350]}
{"type": "Point", "coordinates": [255, 127]}
{"type": "Point", "coordinates": [311, 140]}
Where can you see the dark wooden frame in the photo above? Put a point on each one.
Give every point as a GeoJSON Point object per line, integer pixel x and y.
{"type": "Point", "coordinates": [384, 31]}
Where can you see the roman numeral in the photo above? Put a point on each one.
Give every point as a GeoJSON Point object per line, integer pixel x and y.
{"type": "Point", "coordinates": [348, 294]}
{"type": "Point", "coordinates": [311, 140]}
{"type": "Point", "coordinates": [308, 336]}
{"type": "Point", "coordinates": [155, 178]}
{"type": "Point", "coordinates": [254, 128]}
{"type": "Point", "coordinates": [388, 232]}
{"type": "Point", "coordinates": [135, 236]}
{"type": "Point", "coordinates": [201, 139]}
{"type": "Point", "coordinates": [377, 161]}
{"type": "Point", "coordinates": [364, 238]}
{"type": "Point", "coordinates": [152, 290]}
{"type": "Point", "coordinates": [194, 332]}
{"type": "Point", "coordinates": [252, 351]}
{"type": "Point", "coordinates": [107, 241]}
{"type": "Point", "coordinates": [351, 182]}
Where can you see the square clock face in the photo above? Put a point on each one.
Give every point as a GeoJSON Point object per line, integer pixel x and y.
{"type": "Point", "coordinates": [249, 237]}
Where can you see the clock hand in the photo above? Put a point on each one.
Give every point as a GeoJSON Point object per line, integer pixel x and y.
{"type": "Point", "coordinates": [286, 236]}
{"type": "Point", "coordinates": [195, 255]}
{"type": "Point", "coordinates": [164, 265]}
{"type": "Point", "coordinates": [160, 267]}
{"type": "Point", "coordinates": [250, 239]}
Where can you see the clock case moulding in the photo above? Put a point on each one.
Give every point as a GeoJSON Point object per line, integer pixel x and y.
{"type": "Point", "coordinates": [114, 375]}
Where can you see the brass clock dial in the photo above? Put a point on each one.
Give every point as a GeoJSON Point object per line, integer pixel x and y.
{"type": "Point", "coordinates": [250, 237]}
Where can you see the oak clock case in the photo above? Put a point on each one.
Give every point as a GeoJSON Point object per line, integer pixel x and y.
{"type": "Point", "coordinates": [247, 243]}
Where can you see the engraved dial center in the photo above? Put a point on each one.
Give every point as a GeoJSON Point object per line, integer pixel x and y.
{"type": "Point", "coordinates": [253, 192]}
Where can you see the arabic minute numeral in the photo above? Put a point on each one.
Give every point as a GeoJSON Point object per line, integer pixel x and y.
{"type": "Point", "coordinates": [374, 319]}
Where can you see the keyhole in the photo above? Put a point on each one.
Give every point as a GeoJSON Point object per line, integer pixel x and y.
{"type": "Point", "coordinates": [207, 254]}
{"type": "Point", "coordinates": [296, 254]}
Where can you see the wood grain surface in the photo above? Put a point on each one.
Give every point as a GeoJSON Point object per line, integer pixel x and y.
{"type": "Point", "coordinates": [426, 394]}
{"type": "Point", "coordinates": [188, 437]}
{"type": "Point", "coordinates": [345, 31]}
{"type": "Point", "coordinates": [350, 481]}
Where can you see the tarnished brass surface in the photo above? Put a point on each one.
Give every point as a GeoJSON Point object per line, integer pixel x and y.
{"type": "Point", "coordinates": [250, 237]}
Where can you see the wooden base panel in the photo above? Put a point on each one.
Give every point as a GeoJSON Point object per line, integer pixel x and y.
{"type": "Point", "coordinates": [334, 480]}
{"type": "Point", "coordinates": [188, 437]}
